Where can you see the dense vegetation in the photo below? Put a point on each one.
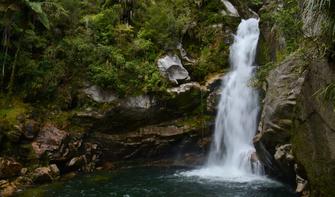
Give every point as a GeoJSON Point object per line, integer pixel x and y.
{"type": "Point", "coordinates": [50, 48]}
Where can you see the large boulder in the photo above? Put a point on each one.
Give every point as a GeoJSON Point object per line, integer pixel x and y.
{"type": "Point", "coordinates": [9, 168]}
{"type": "Point", "coordinates": [7, 188]}
{"type": "Point", "coordinates": [48, 140]}
{"type": "Point", "coordinates": [100, 95]}
{"type": "Point", "coordinates": [171, 67]}
{"type": "Point", "coordinates": [45, 174]}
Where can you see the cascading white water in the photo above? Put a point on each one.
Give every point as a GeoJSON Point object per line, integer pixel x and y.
{"type": "Point", "coordinates": [236, 121]}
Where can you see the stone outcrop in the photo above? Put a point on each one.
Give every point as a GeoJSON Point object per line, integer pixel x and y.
{"type": "Point", "coordinates": [314, 132]}
{"type": "Point", "coordinates": [213, 85]}
{"type": "Point", "coordinates": [294, 113]}
{"type": "Point", "coordinates": [48, 140]}
{"type": "Point", "coordinates": [151, 127]}
{"type": "Point", "coordinates": [142, 110]}
{"type": "Point", "coordinates": [284, 86]}
{"type": "Point", "coordinates": [164, 140]}
{"type": "Point", "coordinates": [171, 67]}
{"type": "Point", "coordinates": [99, 95]}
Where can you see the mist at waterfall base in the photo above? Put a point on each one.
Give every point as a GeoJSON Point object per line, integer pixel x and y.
{"type": "Point", "coordinates": [229, 171]}
{"type": "Point", "coordinates": [230, 157]}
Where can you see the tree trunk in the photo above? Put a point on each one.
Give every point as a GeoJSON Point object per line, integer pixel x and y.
{"type": "Point", "coordinates": [12, 76]}
{"type": "Point", "coordinates": [5, 44]}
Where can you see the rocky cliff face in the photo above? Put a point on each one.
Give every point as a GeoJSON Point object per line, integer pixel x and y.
{"type": "Point", "coordinates": [313, 134]}
{"type": "Point", "coordinates": [296, 131]}
{"type": "Point", "coordinates": [294, 114]}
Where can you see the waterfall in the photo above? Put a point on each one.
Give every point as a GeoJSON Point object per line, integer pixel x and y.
{"type": "Point", "coordinates": [232, 152]}
{"type": "Point", "coordinates": [236, 121]}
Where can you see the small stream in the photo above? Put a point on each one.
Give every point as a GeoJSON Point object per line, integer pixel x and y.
{"type": "Point", "coordinates": [158, 182]}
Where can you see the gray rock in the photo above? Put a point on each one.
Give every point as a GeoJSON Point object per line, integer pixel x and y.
{"type": "Point", "coordinates": [183, 54]}
{"type": "Point", "coordinates": [230, 9]}
{"type": "Point", "coordinates": [284, 152]}
{"type": "Point", "coordinates": [171, 67]}
{"type": "Point", "coordinates": [285, 85]}
{"type": "Point", "coordinates": [294, 113]}
{"type": "Point", "coordinates": [144, 109]}
{"type": "Point", "coordinates": [213, 85]}
{"type": "Point", "coordinates": [142, 101]}
{"type": "Point", "coordinates": [183, 88]}
{"type": "Point", "coordinates": [77, 161]}
{"type": "Point", "coordinates": [99, 95]}
{"type": "Point", "coordinates": [301, 184]}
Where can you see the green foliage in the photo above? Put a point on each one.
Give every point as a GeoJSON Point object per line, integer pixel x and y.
{"type": "Point", "coordinates": [289, 22]}
{"type": "Point", "coordinates": [11, 109]}
{"type": "Point", "coordinates": [134, 78]}
{"type": "Point", "coordinates": [262, 74]}
{"type": "Point", "coordinates": [212, 59]}
{"type": "Point", "coordinates": [113, 44]}
{"type": "Point", "coordinates": [327, 93]}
